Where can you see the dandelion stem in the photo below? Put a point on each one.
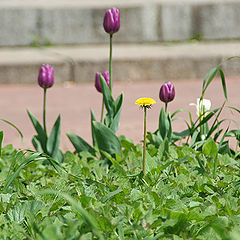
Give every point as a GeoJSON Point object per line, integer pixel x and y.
{"type": "Point", "coordinates": [102, 110]}
{"type": "Point", "coordinates": [110, 63]}
{"type": "Point", "coordinates": [44, 110]}
{"type": "Point", "coordinates": [144, 140]}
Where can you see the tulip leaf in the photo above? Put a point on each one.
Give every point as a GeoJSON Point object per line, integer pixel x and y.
{"type": "Point", "coordinates": [59, 156]}
{"type": "Point", "coordinates": [93, 118]}
{"type": "Point", "coordinates": [36, 143]}
{"type": "Point", "coordinates": [115, 122]}
{"type": "Point", "coordinates": [107, 96]}
{"type": "Point", "coordinates": [164, 125]}
{"type": "Point", "coordinates": [42, 137]}
{"type": "Point", "coordinates": [118, 108]}
{"type": "Point", "coordinates": [118, 103]}
{"type": "Point", "coordinates": [106, 139]}
{"type": "Point", "coordinates": [54, 138]}
{"type": "Point", "coordinates": [108, 120]}
{"type": "Point", "coordinates": [1, 139]}
{"type": "Point", "coordinates": [80, 144]}
{"type": "Point", "coordinates": [180, 135]}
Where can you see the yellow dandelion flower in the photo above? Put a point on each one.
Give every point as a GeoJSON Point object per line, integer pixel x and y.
{"type": "Point", "coordinates": [145, 102]}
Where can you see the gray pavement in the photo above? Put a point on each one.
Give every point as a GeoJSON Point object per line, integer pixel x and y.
{"type": "Point", "coordinates": [132, 62]}
{"type": "Point", "coordinates": [74, 101]}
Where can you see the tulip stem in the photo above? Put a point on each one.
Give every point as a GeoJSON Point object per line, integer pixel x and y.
{"type": "Point", "coordinates": [144, 140]}
{"type": "Point", "coordinates": [166, 107]}
{"type": "Point", "coordinates": [44, 110]}
{"type": "Point", "coordinates": [110, 63]}
{"type": "Point", "coordinates": [102, 110]}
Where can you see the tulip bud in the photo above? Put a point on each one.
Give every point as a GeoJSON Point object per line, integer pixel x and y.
{"type": "Point", "coordinates": [97, 80]}
{"type": "Point", "coordinates": [46, 76]}
{"type": "Point", "coordinates": [167, 92]}
{"type": "Point", "coordinates": [111, 22]}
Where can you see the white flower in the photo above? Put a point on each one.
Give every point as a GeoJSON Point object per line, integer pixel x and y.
{"type": "Point", "coordinates": [202, 106]}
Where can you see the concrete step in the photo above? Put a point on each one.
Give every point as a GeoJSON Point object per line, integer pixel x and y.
{"type": "Point", "coordinates": [131, 62]}
{"type": "Point", "coordinates": [28, 22]}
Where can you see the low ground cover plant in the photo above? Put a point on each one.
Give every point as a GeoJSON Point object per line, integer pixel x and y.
{"type": "Point", "coordinates": [174, 185]}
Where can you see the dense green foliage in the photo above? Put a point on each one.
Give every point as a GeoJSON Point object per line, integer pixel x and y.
{"type": "Point", "coordinates": [186, 194]}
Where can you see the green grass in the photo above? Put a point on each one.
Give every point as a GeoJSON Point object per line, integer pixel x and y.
{"type": "Point", "coordinates": [186, 194]}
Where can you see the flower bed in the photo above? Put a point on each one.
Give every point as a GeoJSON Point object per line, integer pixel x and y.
{"type": "Point", "coordinates": [116, 189]}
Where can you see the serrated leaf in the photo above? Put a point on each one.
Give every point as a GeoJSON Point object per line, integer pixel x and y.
{"type": "Point", "coordinates": [5, 197]}
{"type": "Point", "coordinates": [111, 195]}
{"type": "Point", "coordinates": [210, 148]}
{"type": "Point", "coordinates": [150, 163]}
{"type": "Point", "coordinates": [17, 214]}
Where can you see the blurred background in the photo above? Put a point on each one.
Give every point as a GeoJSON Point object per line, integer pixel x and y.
{"type": "Point", "coordinates": [158, 41]}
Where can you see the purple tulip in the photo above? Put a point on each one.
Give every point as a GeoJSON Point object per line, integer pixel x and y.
{"type": "Point", "coordinates": [46, 76]}
{"type": "Point", "coordinates": [97, 80]}
{"type": "Point", "coordinates": [111, 22]}
{"type": "Point", "coordinates": [167, 92]}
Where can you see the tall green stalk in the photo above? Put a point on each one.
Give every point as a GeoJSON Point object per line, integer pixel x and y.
{"type": "Point", "coordinates": [144, 140]}
{"type": "Point", "coordinates": [102, 112]}
{"type": "Point", "coordinates": [110, 63]}
{"type": "Point", "coordinates": [166, 107]}
{"type": "Point", "coordinates": [44, 110]}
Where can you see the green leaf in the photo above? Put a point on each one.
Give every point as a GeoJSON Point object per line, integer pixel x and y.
{"type": "Point", "coordinates": [12, 177]}
{"type": "Point", "coordinates": [106, 139]}
{"type": "Point", "coordinates": [80, 144]}
{"type": "Point", "coordinates": [42, 137]}
{"type": "Point", "coordinates": [209, 116]}
{"type": "Point", "coordinates": [11, 124]}
{"type": "Point", "coordinates": [115, 164]}
{"type": "Point", "coordinates": [118, 103]}
{"type": "Point", "coordinates": [208, 79]}
{"type": "Point", "coordinates": [108, 99]}
{"type": "Point", "coordinates": [5, 198]}
{"type": "Point", "coordinates": [93, 118]}
{"type": "Point", "coordinates": [150, 163]}
{"type": "Point", "coordinates": [180, 135]}
{"type": "Point", "coordinates": [1, 139]}
{"type": "Point", "coordinates": [87, 217]}
{"type": "Point", "coordinates": [201, 165]}
{"type": "Point", "coordinates": [223, 82]}
{"type": "Point", "coordinates": [210, 148]}
{"type": "Point", "coordinates": [111, 195]}
{"type": "Point", "coordinates": [60, 156]}
{"type": "Point", "coordinates": [36, 143]}
{"type": "Point", "coordinates": [115, 122]}
{"type": "Point", "coordinates": [54, 138]}
{"type": "Point", "coordinates": [17, 214]}
{"type": "Point", "coordinates": [118, 108]}
{"type": "Point", "coordinates": [164, 125]}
